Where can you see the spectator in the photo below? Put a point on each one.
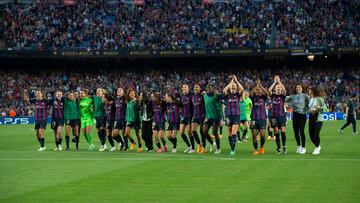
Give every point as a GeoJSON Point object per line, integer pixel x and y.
{"type": "Point", "coordinates": [339, 85]}
{"type": "Point", "coordinates": [12, 113]}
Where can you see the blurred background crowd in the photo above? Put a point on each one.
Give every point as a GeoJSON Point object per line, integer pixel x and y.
{"type": "Point", "coordinates": [339, 85]}
{"type": "Point", "coordinates": [179, 24]}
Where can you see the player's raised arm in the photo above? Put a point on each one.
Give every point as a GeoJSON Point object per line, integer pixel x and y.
{"type": "Point", "coordinates": [226, 89]}
{"type": "Point", "coordinates": [241, 88]}
{"type": "Point", "coordinates": [281, 85]}
{"type": "Point", "coordinates": [271, 88]}
{"type": "Point", "coordinates": [50, 99]}
{"type": "Point", "coordinates": [265, 91]}
{"type": "Point", "coordinates": [29, 96]}
{"type": "Point", "coordinates": [252, 92]}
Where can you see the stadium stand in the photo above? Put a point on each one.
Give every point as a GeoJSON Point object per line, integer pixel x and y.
{"type": "Point", "coordinates": [178, 24]}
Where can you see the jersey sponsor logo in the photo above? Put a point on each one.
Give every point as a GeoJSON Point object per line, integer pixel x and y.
{"type": "Point", "coordinates": [232, 100]}
{"type": "Point", "coordinates": [276, 102]}
{"type": "Point", "coordinates": [258, 103]}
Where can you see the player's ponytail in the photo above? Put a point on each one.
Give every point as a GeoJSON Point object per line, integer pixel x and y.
{"type": "Point", "coordinates": [108, 97]}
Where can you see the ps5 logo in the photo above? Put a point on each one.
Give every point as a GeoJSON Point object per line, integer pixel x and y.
{"type": "Point", "coordinates": [12, 121]}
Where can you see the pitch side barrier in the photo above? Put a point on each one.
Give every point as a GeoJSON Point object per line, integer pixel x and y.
{"type": "Point", "coordinates": [126, 53]}
{"type": "Point", "coordinates": [328, 116]}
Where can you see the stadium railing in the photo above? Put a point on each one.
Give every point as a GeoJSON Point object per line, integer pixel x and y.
{"type": "Point", "coordinates": [184, 52]}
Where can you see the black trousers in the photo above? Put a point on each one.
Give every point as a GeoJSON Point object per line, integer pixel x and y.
{"type": "Point", "coordinates": [146, 134]}
{"type": "Point", "coordinates": [299, 122]}
{"type": "Point", "coordinates": [314, 129]}
{"type": "Point", "coordinates": [350, 120]}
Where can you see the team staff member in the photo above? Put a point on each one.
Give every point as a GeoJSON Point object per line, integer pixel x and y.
{"type": "Point", "coordinates": [72, 119]}
{"type": "Point", "coordinates": [258, 116]}
{"type": "Point", "coordinates": [350, 115]}
{"type": "Point", "coordinates": [300, 105]}
{"type": "Point", "coordinates": [41, 108]}
{"type": "Point", "coordinates": [146, 114]}
{"type": "Point", "coordinates": [278, 115]}
{"type": "Point", "coordinates": [317, 107]}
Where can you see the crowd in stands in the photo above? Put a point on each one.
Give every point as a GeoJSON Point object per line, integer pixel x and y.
{"type": "Point", "coordinates": [339, 84]}
{"type": "Point", "coordinates": [354, 12]}
{"type": "Point", "coordinates": [177, 24]}
{"type": "Point", "coordinates": [314, 23]}
{"type": "Point", "coordinates": [112, 25]}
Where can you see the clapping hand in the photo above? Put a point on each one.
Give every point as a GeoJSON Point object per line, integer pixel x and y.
{"type": "Point", "coordinates": [277, 78]}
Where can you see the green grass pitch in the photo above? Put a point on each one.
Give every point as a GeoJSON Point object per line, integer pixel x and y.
{"type": "Point", "coordinates": [82, 176]}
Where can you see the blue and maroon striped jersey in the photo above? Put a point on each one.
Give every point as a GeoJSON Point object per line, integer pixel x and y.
{"type": "Point", "coordinates": [172, 113]}
{"type": "Point", "coordinates": [269, 106]}
{"type": "Point", "coordinates": [120, 108]}
{"type": "Point", "coordinates": [159, 114]}
{"type": "Point", "coordinates": [58, 108]}
{"type": "Point", "coordinates": [186, 105]}
{"type": "Point", "coordinates": [41, 107]}
{"type": "Point", "coordinates": [232, 106]}
{"type": "Point", "coordinates": [277, 105]}
{"type": "Point", "coordinates": [258, 111]}
{"type": "Point", "coordinates": [198, 103]}
{"type": "Point", "coordinates": [110, 111]}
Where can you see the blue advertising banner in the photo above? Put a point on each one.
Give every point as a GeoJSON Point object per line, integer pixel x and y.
{"type": "Point", "coordinates": [19, 120]}
{"type": "Point", "coordinates": [327, 116]}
